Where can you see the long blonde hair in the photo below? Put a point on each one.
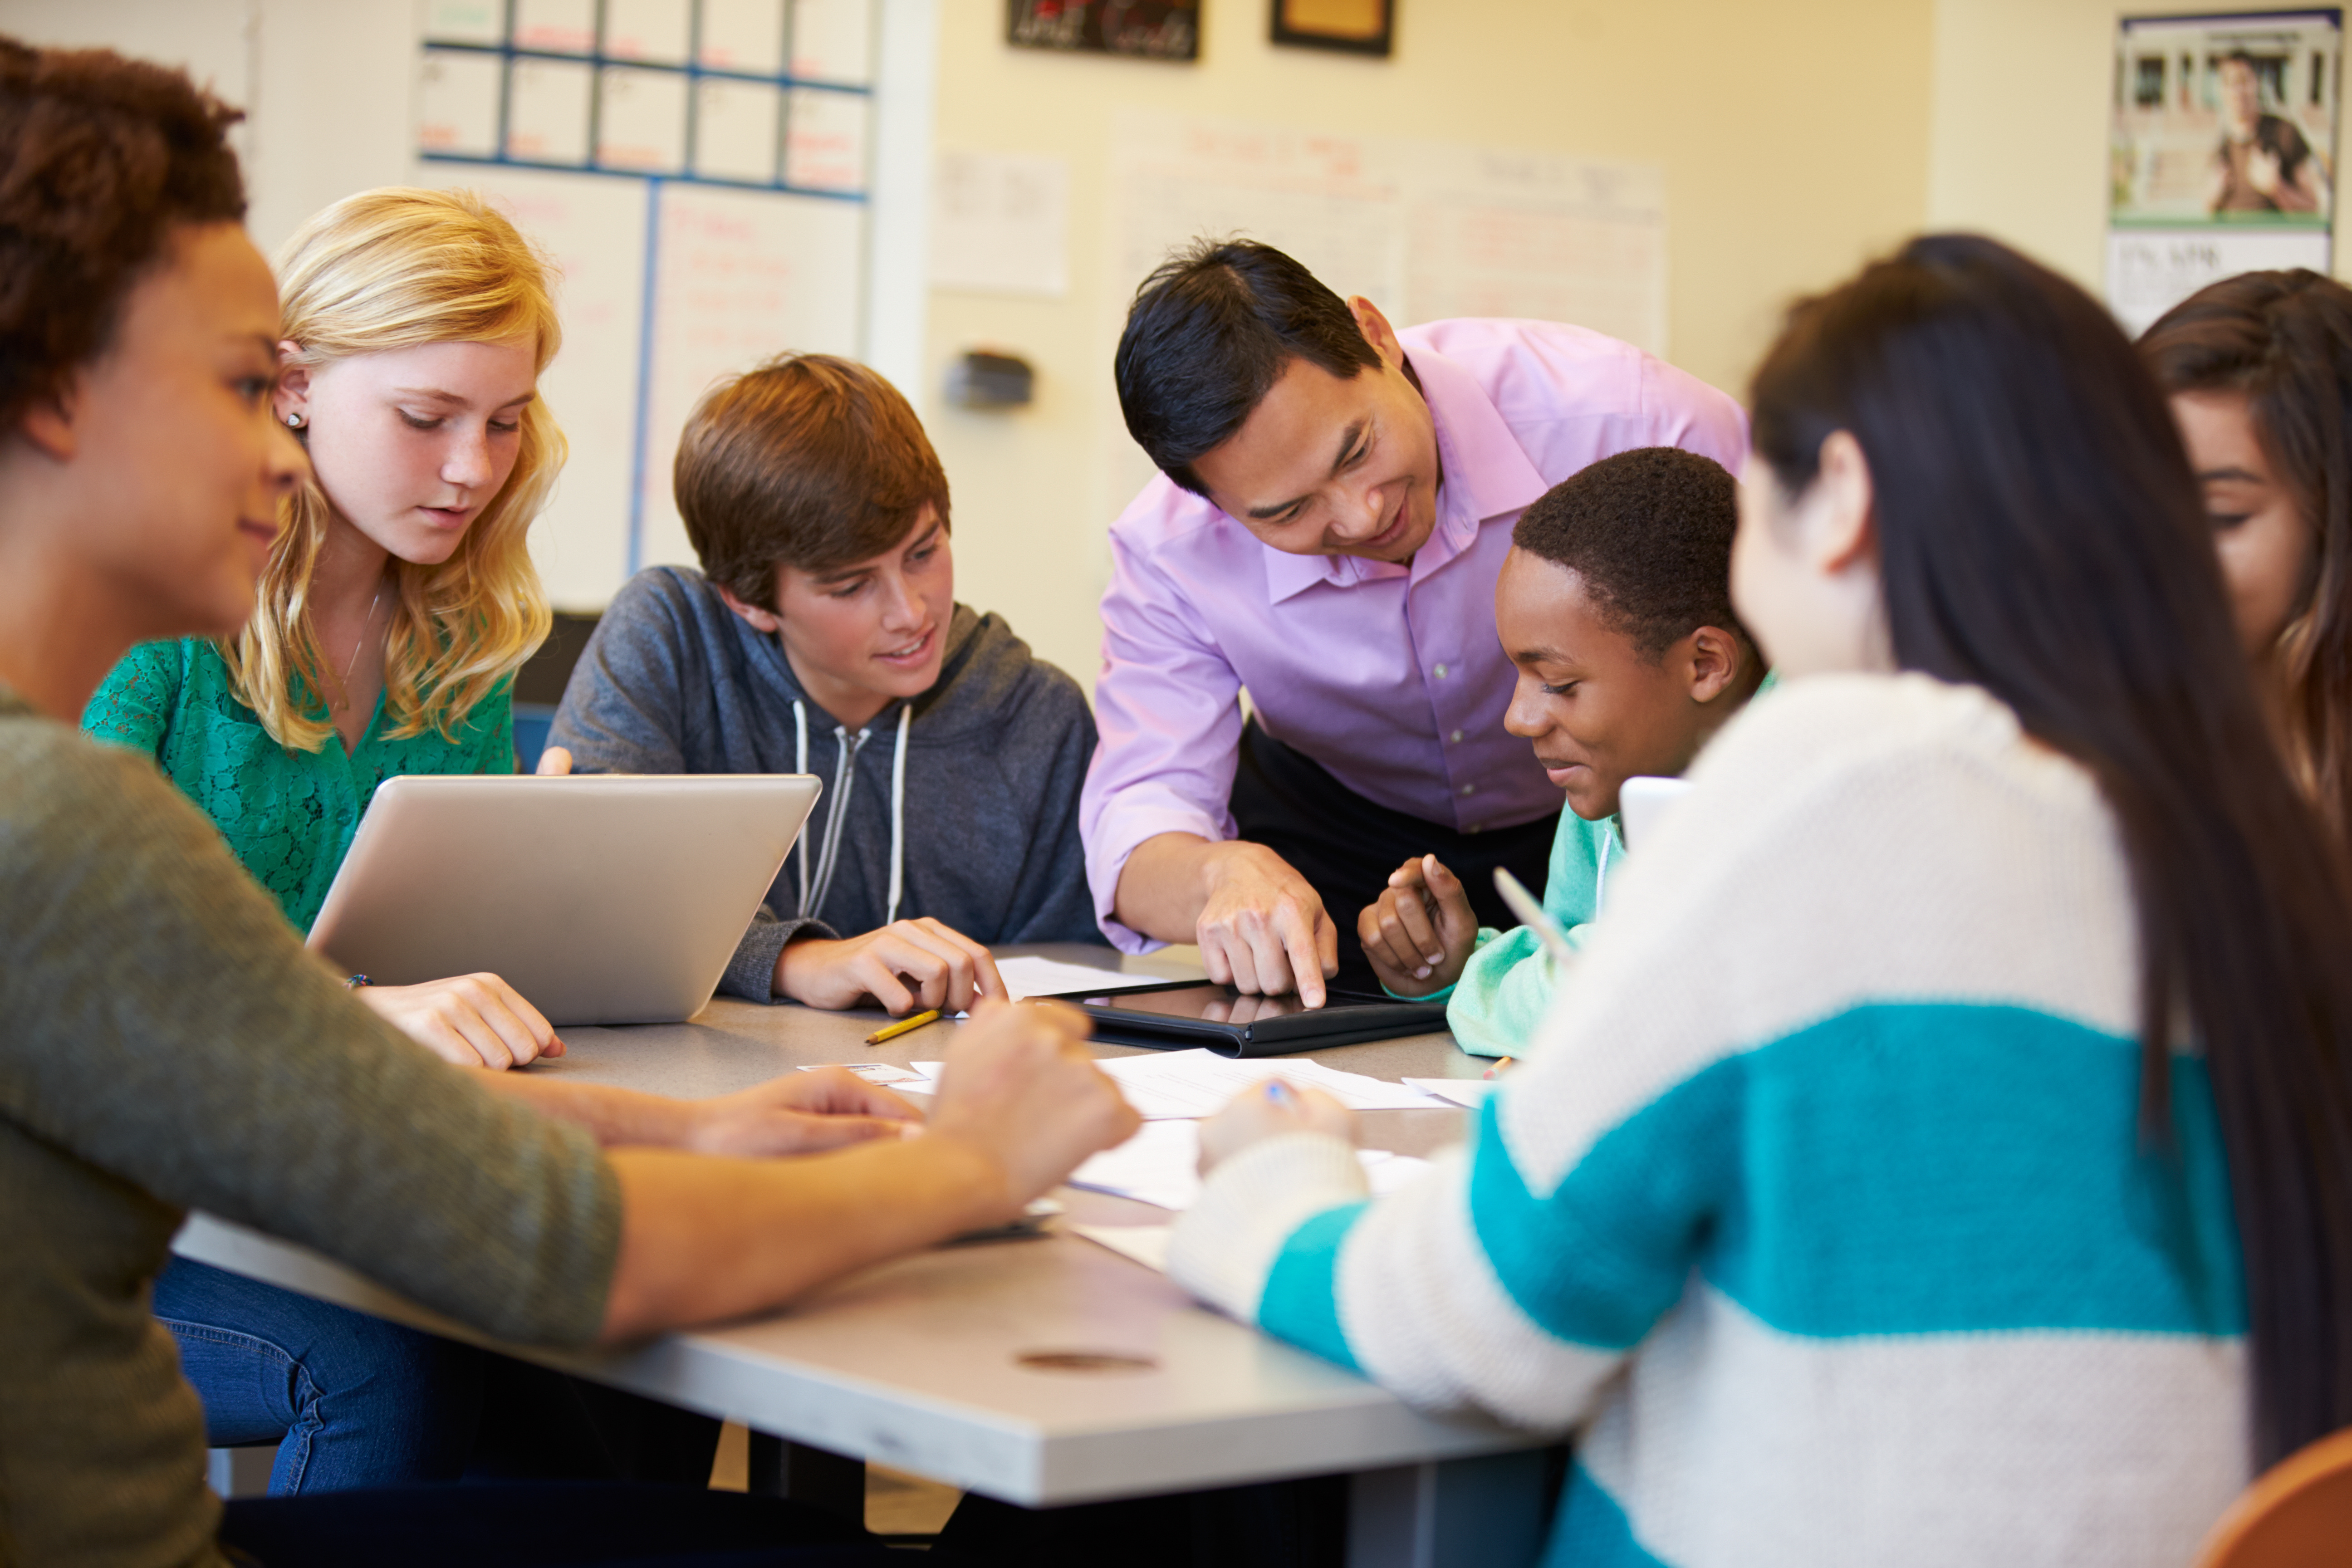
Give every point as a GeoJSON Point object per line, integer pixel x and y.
{"type": "Point", "coordinates": [395, 268]}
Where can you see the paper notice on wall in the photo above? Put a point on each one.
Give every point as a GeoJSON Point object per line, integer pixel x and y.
{"type": "Point", "coordinates": [1425, 230]}
{"type": "Point", "coordinates": [1001, 223]}
{"type": "Point", "coordinates": [2151, 270]}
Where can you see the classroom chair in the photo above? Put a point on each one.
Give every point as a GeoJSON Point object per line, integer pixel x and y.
{"type": "Point", "coordinates": [2297, 1514]}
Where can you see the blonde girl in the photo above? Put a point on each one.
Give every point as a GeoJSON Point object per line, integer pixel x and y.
{"type": "Point", "coordinates": [399, 597]}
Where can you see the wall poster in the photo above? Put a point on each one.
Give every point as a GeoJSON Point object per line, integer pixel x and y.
{"type": "Point", "coordinates": [2223, 158]}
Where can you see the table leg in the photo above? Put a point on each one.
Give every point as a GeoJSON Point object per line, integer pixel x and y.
{"type": "Point", "coordinates": [833, 1482]}
{"type": "Point", "coordinates": [1457, 1513]}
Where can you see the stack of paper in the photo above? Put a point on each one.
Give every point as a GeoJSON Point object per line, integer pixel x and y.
{"type": "Point", "coordinates": [1464, 1091]}
{"type": "Point", "coordinates": [1187, 1085]}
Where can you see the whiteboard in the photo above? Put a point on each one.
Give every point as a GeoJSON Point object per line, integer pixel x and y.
{"type": "Point", "coordinates": [704, 205]}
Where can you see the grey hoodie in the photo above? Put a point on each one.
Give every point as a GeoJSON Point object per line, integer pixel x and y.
{"type": "Point", "coordinates": [985, 825]}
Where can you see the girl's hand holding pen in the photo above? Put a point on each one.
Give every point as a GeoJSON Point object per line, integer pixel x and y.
{"type": "Point", "coordinates": [1269, 1111]}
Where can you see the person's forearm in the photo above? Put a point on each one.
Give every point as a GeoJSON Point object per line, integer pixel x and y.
{"type": "Point", "coordinates": [1164, 885]}
{"type": "Point", "coordinates": [706, 1239]}
{"type": "Point", "coordinates": [618, 1117]}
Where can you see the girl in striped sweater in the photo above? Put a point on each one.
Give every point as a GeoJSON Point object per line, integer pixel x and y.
{"type": "Point", "coordinates": [1945, 1155]}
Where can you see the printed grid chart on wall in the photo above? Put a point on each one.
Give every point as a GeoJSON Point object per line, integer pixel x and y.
{"type": "Point", "coordinates": [698, 171]}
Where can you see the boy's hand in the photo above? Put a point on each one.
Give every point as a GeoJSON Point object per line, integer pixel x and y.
{"type": "Point", "coordinates": [1421, 931]}
{"type": "Point", "coordinates": [905, 966]}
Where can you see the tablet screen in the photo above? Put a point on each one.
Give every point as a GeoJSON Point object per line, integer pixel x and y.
{"type": "Point", "coordinates": [1218, 1004]}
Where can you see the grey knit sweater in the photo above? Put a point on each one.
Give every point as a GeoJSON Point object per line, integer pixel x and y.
{"type": "Point", "coordinates": [166, 1043]}
{"type": "Point", "coordinates": [987, 824]}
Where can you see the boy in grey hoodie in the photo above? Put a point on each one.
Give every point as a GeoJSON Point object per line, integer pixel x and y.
{"type": "Point", "coordinates": [825, 638]}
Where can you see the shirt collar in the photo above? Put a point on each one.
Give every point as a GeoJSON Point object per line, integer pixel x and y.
{"type": "Point", "coordinates": [1487, 474]}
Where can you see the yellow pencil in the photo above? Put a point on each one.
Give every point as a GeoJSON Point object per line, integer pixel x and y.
{"type": "Point", "coordinates": [903, 1026]}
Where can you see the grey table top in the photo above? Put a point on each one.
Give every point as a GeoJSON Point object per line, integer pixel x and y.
{"type": "Point", "coordinates": [959, 1362]}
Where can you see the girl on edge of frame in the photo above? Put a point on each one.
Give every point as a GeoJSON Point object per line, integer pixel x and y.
{"type": "Point", "coordinates": [400, 596]}
{"type": "Point", "coordinates": [2258, 369]}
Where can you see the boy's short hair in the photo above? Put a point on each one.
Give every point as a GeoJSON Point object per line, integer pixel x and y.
{"type": "Point", "coordinates": [1210, 332]}
{"type": "Point", "coordinates": [1650, 532]}
{"type": "Point", "coordinates": [808, 461]}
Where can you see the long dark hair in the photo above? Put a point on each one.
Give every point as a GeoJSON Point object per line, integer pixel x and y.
{"type": "Point", "coordinates": [2284, 339]}
{"type": "Point", "coordinates": [2041, 536]}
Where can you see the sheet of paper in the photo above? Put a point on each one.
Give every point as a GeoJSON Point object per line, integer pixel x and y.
{"type": "Point", "coordinates": [1146, 1244]}
{"type": "Point", "coordinates": [643, 125]}
{"type": "Point", "coordinates": [547, 112]}
{"type": "Point", "coordinates": [876, 1072]}
{"type": "Point", "coordinates": [824, 140]}
{"type": "Point", "coordinates": [745, 36]}
{"type": "Point", "coordinates": [833, 40]}
{"type": "Point", "coordinates": [1468, 1092]}
{"type": "Point", "coordinates": [1169, 1084]}
{"type": "Point", "coordinates": [1001, 223]}
{"type": "Point", "coordinates": [1161, 1165]}
{"type": "Point", "coordinates": [457, 102]}
{"type": "Point", "coordinates": [560, 26]}
{"type": "Point", "coordinates": [652, 30]}
{"type": "Point", "coordinates": [1181, 1086]}
{"type": "Point", "coordinates": [1027, 977]}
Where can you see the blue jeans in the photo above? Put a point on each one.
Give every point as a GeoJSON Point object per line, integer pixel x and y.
{"type": "Point", "coordinates": [350, 1400]}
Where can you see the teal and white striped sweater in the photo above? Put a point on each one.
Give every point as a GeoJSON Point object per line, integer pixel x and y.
{"type": "Point", "coordinates": [1817, 1206]}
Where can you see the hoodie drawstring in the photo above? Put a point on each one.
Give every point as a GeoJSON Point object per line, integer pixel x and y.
{"type": "Point", "coordinates": [845, 777]}
{"type": "Point", "coordinates": [899, 815]}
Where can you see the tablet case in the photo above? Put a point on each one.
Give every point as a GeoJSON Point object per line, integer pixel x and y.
{"type": "Point", "coordinates": [1346, 1019]}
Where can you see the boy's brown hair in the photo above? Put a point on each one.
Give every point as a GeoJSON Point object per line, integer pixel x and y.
{"type": "Point", "coordinates": [808, 461]}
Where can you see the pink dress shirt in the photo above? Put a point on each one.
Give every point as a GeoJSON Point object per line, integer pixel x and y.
{"type": "Point", "coordinates": [1390, 676]}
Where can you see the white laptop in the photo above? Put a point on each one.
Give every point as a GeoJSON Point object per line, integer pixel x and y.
{"type": "Point", "coordinates": [603, 898]}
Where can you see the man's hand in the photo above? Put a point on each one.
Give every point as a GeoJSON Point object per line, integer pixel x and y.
{"type": "Point", "coordinates": [1269, 1111]}
{"type": "Point", "coordinates": [1421, 931]}
{"type": "Point", "coordinates": [799, 1113]}
{"type": "Point", "coordinates": [1262, 927]}
{"type": "Point", "coordinates": [1019, 1088]}
{"type": "Point", "coordinates": [473, 1020]}
{"type": "Point", "coordinates": [906, 966]}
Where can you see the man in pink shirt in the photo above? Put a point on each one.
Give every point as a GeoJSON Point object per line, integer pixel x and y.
{"type": "Point", "coordinates": [1335, 503]}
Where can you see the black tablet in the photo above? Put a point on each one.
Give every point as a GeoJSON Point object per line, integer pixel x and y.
{"type": "Point", "coordinates": [1185, 1013]}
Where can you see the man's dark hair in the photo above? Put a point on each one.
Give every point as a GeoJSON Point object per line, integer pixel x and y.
{"type": "Point", "coordinates": [1210, 331]}
{"type": "Point", "coordinates": [1650, 532]}
{"type": "Point", "coordinates": [101, 158]}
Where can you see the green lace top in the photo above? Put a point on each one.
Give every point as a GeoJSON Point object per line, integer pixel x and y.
{"type": "Point", "coordinates": [288, 816]}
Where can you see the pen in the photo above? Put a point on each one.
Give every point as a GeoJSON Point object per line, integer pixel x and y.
{"type": "Point", "coordinates": [1280, 1092]}
{"type": "Point", "coordinates": [903, 1026]}
{"type": "Point", "coordinates": [1523, 904]}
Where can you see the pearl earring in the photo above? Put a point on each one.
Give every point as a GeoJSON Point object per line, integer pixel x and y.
{"type": "Point", "coordinates": [295, 422]}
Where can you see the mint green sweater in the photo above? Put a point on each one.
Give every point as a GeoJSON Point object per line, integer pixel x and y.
{"type": "Point", "coordinates": [288, 815]}
{"type": "Point", "coordinates": [1508, 983]}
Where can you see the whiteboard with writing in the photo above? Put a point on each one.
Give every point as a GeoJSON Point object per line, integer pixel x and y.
{"type": "Point", "coordinates": [696, 170]}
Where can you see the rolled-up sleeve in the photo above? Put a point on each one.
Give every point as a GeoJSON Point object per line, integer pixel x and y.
{"type": "Point", "coordinates": [1168, 706]}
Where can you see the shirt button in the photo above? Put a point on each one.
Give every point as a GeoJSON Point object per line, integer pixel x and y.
{"type": "Point", "coordinates": [1457, 737]}
{"type": "Point", "coordinates": [1441, 672]}
{"type": "Point", "coordinates": [1469, 789]}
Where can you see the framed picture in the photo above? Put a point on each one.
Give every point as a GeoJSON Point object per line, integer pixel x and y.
{"type": "Point", "coordinates": [1145, 30]}
{"type": "Point", "coordinates": [1351, 26]}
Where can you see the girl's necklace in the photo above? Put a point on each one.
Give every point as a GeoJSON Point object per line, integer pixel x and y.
{"type": "Point", "coordinates": [354, 662]}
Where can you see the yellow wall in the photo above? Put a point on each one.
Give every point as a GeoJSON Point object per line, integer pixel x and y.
{"type": "Point", "coordinates": [1794, 138]}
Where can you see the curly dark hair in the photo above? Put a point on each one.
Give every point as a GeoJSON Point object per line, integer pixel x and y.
{"type": "Point", "coordinates": [100, 158]}
{"type": "Point", "coordinates": [1650, 532]}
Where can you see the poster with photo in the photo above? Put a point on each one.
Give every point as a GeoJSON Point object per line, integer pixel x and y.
{"type": "Point", "coordinates": [2222, 156]}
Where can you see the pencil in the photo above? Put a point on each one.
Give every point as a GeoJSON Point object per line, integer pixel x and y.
{"type": "Point", "coordinates": [907, 1025]}
{"type": "Point", "coordinates": [1496, 1070]}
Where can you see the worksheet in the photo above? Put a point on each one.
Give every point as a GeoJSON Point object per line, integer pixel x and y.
{"type": "Point", "coordinates": [1171, 1086]}
{"type": "Point", "coordinates": [1026, 977]}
